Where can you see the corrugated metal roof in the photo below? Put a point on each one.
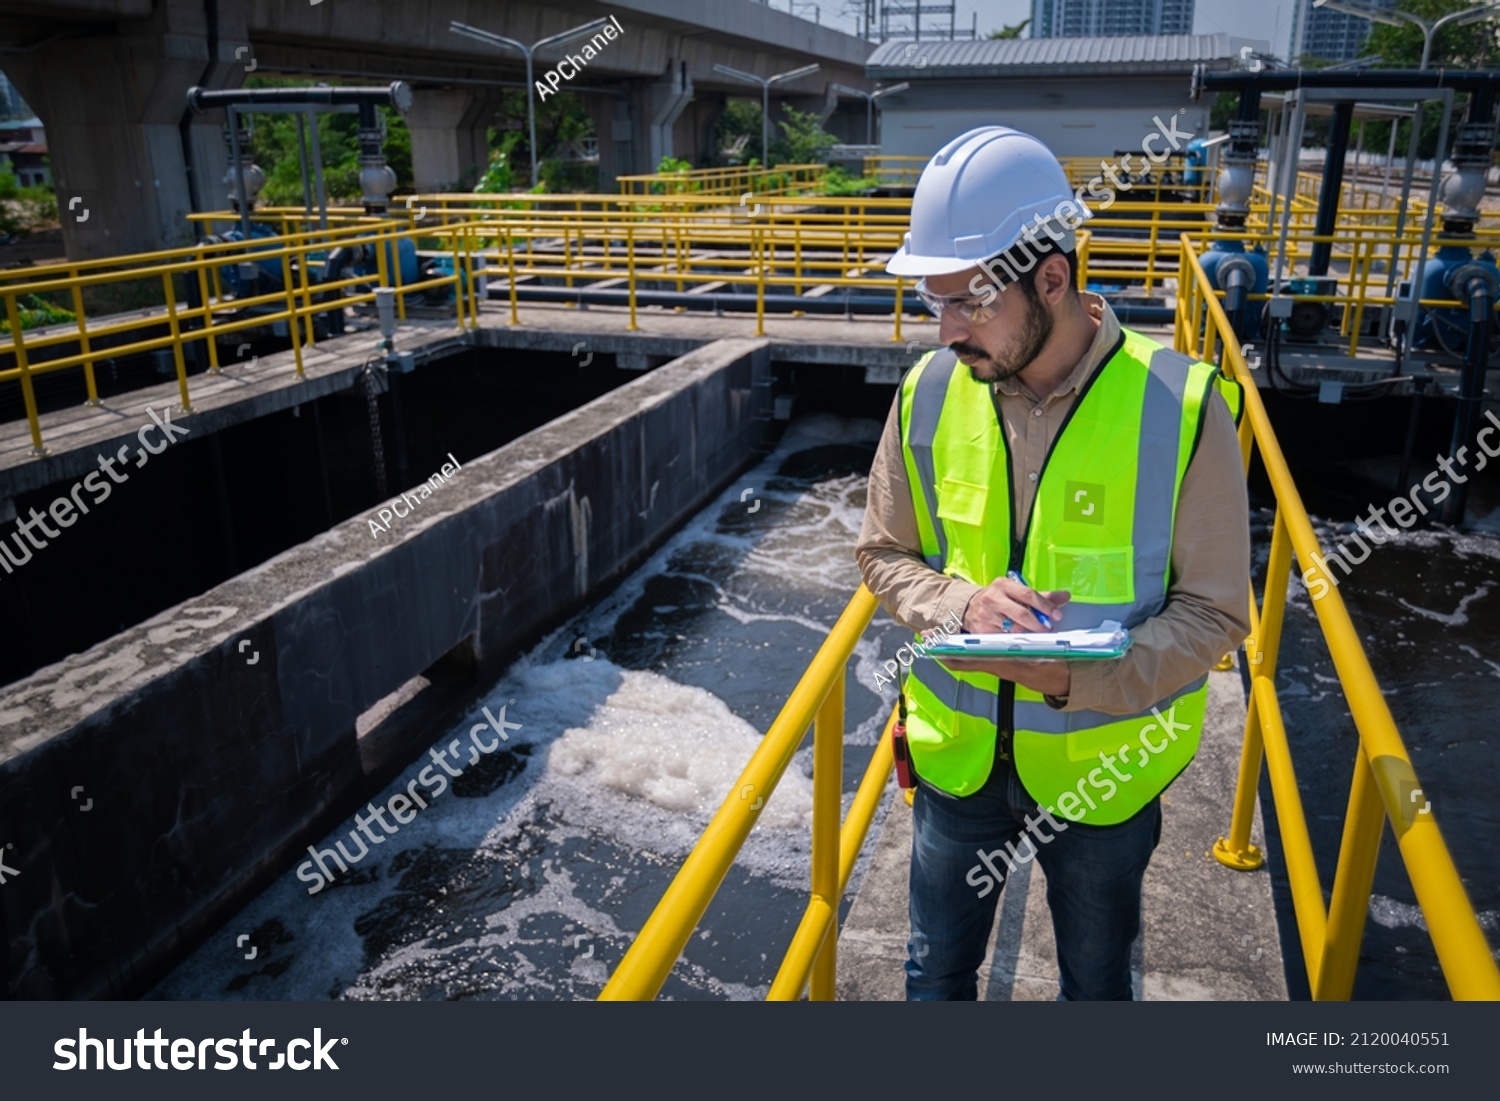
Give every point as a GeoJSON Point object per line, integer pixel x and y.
{"type": "Point", "coordinates": [993, 57]}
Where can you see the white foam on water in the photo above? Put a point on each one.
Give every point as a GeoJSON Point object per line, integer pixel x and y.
{"type": "Point", "coordinates": [627, 756]}
{"type": "Point", "coordinates": [1457, 618]}
{"type": "Point", "coordinates": [1397, 915]}
{"type": "Point", "coordinates": [676, 746]}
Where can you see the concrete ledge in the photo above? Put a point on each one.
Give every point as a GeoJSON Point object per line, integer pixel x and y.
{"type": "Point", "coordinates": [151, 784]}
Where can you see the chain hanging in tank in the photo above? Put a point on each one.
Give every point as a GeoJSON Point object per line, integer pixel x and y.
{"type": "Point", "coordinates": [377, 444]}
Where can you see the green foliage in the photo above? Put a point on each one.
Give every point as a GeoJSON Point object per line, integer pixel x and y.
{"type": "Point", "coordinates": [1469, 46]}
{"type": "Point", "coordinates": [36, 313]}
{"type": "Point", "coordinates": [560, 118]}
{"type": "Point", "coordinates": [741, 118]}
{"type": "Point", "coordinates": [670, 165]}
{"type": "Point", "coordinates": [1225, 107]}
{"type": "Point", "coordinates": [23, 209]}
{"type": "Point", "coordinates": [838, 181]}
{"type": "Point", "coordinates": [1011, 31]}
{"type": "Point", "coordinates": [274, 146]}
{"type": "Point", "coordinates": [803, 139]}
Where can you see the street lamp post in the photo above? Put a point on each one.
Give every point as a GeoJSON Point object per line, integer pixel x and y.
{"type": "Point", "coordinates": [870, 98]}
{"type": "Point", "coordinates": [765, 99]}
{"type": "Point", "coordinates": [492, 39]}
{"type": "Point", "coordinates": [1396, 18]}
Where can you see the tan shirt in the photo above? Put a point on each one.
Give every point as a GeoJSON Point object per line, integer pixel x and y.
{"type": "Point", "coordinates": [1206, 614]}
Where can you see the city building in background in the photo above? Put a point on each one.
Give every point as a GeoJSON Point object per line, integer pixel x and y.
{"type": "Point", "coordinates": [1331, 35]}
{"type": "Point", "coordinates": [1096, 18]}
{"type": "Point", "coordinates": [12, 106]}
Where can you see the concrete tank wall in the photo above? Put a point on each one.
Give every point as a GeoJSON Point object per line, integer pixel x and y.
{"type": "Point", "coordinates": [150, 785]}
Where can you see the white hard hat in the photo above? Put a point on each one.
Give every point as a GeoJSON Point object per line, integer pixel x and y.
{"type": "Point", "coordinates": [977, 195]}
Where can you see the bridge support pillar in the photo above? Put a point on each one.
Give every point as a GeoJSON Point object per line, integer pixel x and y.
{"type": "Point", "coordinates": [121, 142]}
{"type": "Point", "coordinates": [450, 137]}
{"type": "Point", "coordinates": [616, 134]}
{"type": "Point", "coordinates": [658, 106]}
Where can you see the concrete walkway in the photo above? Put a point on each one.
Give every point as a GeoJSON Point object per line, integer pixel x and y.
{"type": "Point", "coordinates": [1209, 933]}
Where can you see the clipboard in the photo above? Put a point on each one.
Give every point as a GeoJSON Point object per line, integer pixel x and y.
{"type": "Point", "coordinates": [1103, 643]}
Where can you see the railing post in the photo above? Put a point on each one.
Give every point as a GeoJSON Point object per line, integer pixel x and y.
{"type": "Point", "coordinates": [83, 339]}
{"type": "Point", "coordinates": [630, 273]}
{"type": "Point", "coordinates": [1353, 877]}
{"type": "Point", "coordinates": [291, 317]}
{"type": "Point", "coordinates": [176, 331]}
{"type": "Point", "coordinates": [828, 784]}
{"type": "Point", "coordinates": [28, 394]}
{"type": "Point", "coordinates": [510, 263]}
{"type": "Point", "coordinates": [758, 250]}
{"type": "Point", "coordinates": [1236, 851]}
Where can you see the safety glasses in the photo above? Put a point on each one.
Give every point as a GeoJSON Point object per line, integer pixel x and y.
{"type": "Point", "coordinates": [975, 309]}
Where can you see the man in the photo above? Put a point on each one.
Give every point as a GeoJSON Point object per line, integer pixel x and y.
{"type": "Point", "coordinates": [1103, 469]}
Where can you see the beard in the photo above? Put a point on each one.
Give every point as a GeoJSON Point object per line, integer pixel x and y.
{"type": "Point", "coordinates": [1001, 365]}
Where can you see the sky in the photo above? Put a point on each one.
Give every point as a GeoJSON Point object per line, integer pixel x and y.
{"type": "Point", "coordinates": [1269, 20]}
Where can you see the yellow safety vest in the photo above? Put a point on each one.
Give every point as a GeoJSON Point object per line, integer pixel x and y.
{"type": "Point", "coordinates": [1100, 526]}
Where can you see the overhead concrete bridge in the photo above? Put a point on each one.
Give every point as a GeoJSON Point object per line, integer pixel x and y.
{"type": "Point", "coordinates": [109, 77]}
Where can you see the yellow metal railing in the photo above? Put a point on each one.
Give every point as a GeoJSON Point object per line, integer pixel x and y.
{"type": "Point", "coordinates": [893, 170]}
{"type": "Point", "coordinates": [170, 323]}
{"type": "Point", "coordinates": [1383, 776]}
{"type": "Point", "coordinates": [810, 962]}
{"type": "Point", "coordinates": [731, 182]}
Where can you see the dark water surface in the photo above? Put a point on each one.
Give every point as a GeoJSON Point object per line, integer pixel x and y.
{"type": "Point", "coordinates": [524, 879]}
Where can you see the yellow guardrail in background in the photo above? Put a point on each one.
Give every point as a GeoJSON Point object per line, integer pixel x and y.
{"type": "Point", "coordinates": [197, 270]}
{"type": "Point", "coordinates": [892, 170]}
{"type": "Point", "coordinates": [693, 242]}
{"type": "Point", "coordinates": [731, 182]}
{"type": "Point", "coordinates": [1383, 774]}
{"type": "Point", "coordinates": [817, 700]}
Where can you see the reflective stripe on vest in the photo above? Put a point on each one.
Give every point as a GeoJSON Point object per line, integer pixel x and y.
{"type": "Point", "coordinates": [1101, 526]}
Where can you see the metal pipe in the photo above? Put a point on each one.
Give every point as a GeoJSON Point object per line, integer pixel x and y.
{"type": "Point", "coordinates": [1470, 387]}
{"type": "Point", "coordinates": [1432, 191]}
{"type": "Point", "coordinates": [861, 304]}
{"type": "Point", "coordinates": [396, 95]}
{"type": "Point", "coordinates": [1285, 80]}
{"type": "Point", "coordinates": [302, 163]}
{"type": "Point", "coordinates": [1333, 182]}
{"type": "Point", "coordinates": [239, 172]}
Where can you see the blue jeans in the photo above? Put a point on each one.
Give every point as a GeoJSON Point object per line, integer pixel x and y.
{"type": "Point", "coordinates": [1093, 873]}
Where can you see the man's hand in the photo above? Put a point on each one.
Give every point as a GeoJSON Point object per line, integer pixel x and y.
{"type": "Point", "coordinates": [1050, 678]}
{"type": "Point", "coordinates": [1004, 599]}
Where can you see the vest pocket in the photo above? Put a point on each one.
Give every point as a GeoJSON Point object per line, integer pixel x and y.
{"type": "Point", "coordinates": [1094, 575]}
{"type": "Point", "coordinates": [962, 502]}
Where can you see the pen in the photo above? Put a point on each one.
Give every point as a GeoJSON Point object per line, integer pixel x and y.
{"type": "Point", "coordinates": [1015, 575]}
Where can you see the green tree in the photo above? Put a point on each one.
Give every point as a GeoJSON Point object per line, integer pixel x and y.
{"type": "Point", "coordinates": [560, 118]}
{"type": "Point", "coordinates": [1011, 31]}
{"type": "Point", "coordinates": [1470, 46]}
{"type": "Point", "coordinates": [273, 145]}
{"type": "Point", "coordinates": [803, 139]}
{"type": "Point", "coordinates": [740, 120]}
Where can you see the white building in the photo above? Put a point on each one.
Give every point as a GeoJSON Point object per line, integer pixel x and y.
{"type": "Point", "coordinates": [1082, 96]}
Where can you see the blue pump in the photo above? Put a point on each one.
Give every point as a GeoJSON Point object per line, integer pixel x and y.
{"type": "Point", "coordinates": [1220, 262]}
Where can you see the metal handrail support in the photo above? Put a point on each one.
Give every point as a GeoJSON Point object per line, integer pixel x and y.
{"type": "Point", "coordinates": [1383, 776]}
{"type": "Point", "coordinates": [650, 959]}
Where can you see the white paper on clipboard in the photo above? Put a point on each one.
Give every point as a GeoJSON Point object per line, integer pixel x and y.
{"type": "Point", "coordinates": [1108, 640]}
